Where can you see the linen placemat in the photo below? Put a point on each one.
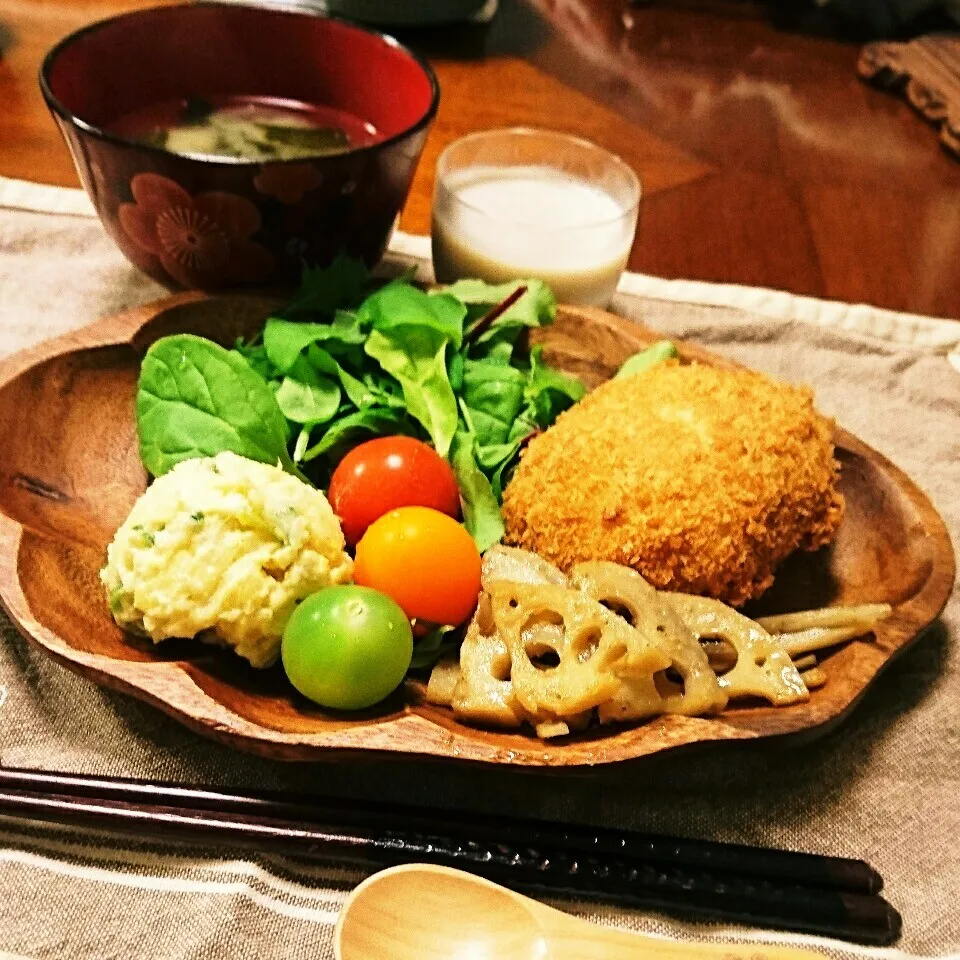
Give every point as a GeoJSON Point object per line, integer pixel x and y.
{"type": "Point", "coordinates": [885, 785]}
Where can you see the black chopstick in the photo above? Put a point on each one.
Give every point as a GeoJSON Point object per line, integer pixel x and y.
{"type": "Point", "coordinates": [838, 873]}
{"type": "Point", "coordinates": [548, 859]}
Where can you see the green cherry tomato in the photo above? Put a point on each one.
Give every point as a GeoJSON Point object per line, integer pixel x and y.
{"type": "Point", "coordinates": [347, 647]}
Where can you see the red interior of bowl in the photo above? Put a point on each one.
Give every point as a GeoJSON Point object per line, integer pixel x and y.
{"type": "Point", "coordinates": [145, 58]}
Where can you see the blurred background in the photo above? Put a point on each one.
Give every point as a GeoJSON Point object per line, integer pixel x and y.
{"type": "Point", "coordinates": [852, 18]}
{"type": "Point", "coordinates": [765, 159]}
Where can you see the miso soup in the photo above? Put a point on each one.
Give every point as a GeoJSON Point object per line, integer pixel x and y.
{"type": "Point", "coordinates": [258, 129]}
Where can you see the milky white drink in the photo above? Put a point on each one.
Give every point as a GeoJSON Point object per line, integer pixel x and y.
{"type": "Point", "coordinates": [503, 223]}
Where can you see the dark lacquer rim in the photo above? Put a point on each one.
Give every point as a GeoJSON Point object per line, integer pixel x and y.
{"type": "Point", "coordinates": [61, 111]}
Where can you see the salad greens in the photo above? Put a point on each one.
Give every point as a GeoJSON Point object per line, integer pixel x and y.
{"type": "Point", "coordinates": [657, 353]}
{"type": "Point", "coordinates": [344, 362]}
{"type": "Point", "coordinates": [195, 399]}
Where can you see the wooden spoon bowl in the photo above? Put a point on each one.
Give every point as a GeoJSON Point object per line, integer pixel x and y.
{"type": "Point", "coordinates": [424, 912]}
{"type": "Point", "coordinates": [71, 472]}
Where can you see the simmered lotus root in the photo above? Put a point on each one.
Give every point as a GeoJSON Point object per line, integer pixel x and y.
{"type": "Point", "coordinates": [549, 655]}
{"type": "Point", "coordinates": [763, 668]}
{"type": "Point", "coordinates": [443, 681]}
{"type": "Point", "coordinates": [484, 692]}
{"type": "Point", "coordinates": [519, 566]}
{"type": "Point", "coordinates": [554, 651]}
{"type": "Point", "coordinates": [628, 594]}
{"type": "Point", "coordinates": [570, 654]}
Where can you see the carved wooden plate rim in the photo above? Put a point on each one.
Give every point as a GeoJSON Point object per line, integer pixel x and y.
{"type": "Point", "coordinates": [407, 732]}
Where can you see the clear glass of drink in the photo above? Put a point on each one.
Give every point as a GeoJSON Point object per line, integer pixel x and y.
{"type": "Point", "coordinates": [517, 203]}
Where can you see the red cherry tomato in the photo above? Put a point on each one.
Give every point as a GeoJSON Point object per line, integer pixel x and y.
{"type": "Point", "coordinates": [425, 561]}
{"type": "Point", "coordinates": [390, 472]}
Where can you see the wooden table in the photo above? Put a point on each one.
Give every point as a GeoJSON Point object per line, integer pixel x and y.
{"type": "Point", "coordinates": [764, 160]}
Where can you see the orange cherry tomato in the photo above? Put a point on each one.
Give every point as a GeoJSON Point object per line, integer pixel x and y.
{"type": "Point", "coordinates": [384, 474]}
{"type": "Point", "coordinates": [425, 560]}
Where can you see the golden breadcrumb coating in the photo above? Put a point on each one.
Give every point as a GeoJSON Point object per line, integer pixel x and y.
{"type": "Point", "coordinates": [701, 479]}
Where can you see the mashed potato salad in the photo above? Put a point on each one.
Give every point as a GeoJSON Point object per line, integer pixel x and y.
{"type": "Point", "coordinates": [223, 548]}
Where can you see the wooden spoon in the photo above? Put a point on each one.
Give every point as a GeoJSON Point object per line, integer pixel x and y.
{"type": "Point", "coordinates": [424, 912]}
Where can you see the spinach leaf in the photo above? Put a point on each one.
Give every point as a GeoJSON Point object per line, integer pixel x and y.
{"type": "Point", "coordinates": [256, 356]}
{"type": "Point", "coordinates": [429, 649]}
{"type": "Point", "coordinates": [359, 393]}
{"type": "Point", "coordinates": [356, 426]}
{"type": "Point", "coordinates": [308, 403]}
{"type": "Point", "coordinates": [549, 392]}
{"type": "Point", "coordinates": [285, 340]}
{"type": "Point", "coordinates": [315, 360]}
{"type": "Point", "coordinates": [326, 289]}
{"type": "Point", "coordinates": [499, 352]}
{"type": "Point", "coordinates": [455, 371]}
{"type": "Point", "coordinates": [493, 455]}
{"type": "Point", "coordinates": [416, 356]}
{"type": "Point", "coordinates": [497, 460]}
{"type": "Point", "coordinates": [481, 509]}
{"type": "Point", "coordinates": [399, 306]}
{"type": "Point", "coordinates": [495, 393]}
{"type": "Point", "coordinates": [488, 430]}
{"type": "Point", "coordinates": [385, 388]}
{"type": "Point", "coordinates": [196, 399]}
{"type": "Point", "coordinates": [501, 476]}
{"type": "Point", "coordinates": [662, 350]}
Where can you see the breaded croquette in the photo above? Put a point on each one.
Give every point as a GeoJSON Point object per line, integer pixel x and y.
{"type": "Point", "coordinates": [701, 479]}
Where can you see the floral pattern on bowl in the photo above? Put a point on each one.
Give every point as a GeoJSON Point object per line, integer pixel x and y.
{"type": "Point", "coordinates": [289, 182]}
{"type": "Point", "coordinates": [199, 241]}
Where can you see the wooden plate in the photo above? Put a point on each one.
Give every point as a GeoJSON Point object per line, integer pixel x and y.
{"type": "Point", "coordinates": [70, 473]}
